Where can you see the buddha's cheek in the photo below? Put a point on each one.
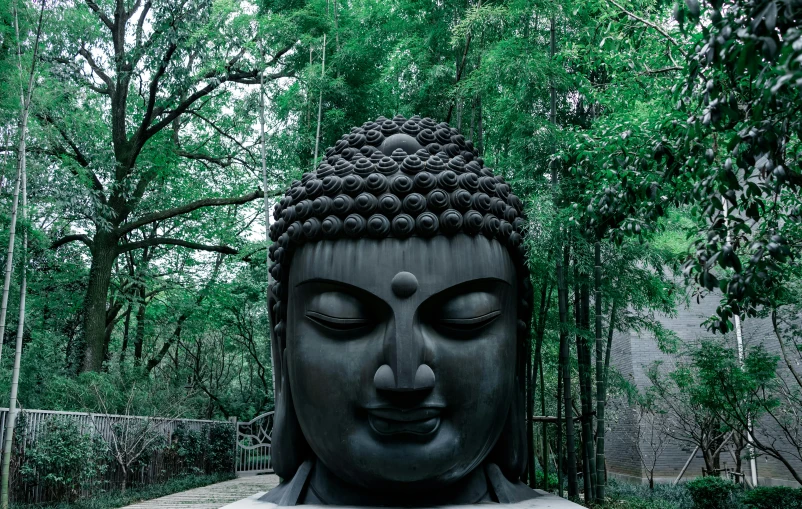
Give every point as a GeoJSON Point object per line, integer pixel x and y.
{"type": "Point", "coordinates": [477, 380]}
{"type": "Point", "coordinates": [328, 377]}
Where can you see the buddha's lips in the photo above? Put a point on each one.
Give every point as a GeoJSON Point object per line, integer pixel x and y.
{"type": "Point", "coordinates": [417, 421]}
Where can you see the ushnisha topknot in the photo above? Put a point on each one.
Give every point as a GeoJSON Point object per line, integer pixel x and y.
{"type": "Point", "coordinates": [397, 178]}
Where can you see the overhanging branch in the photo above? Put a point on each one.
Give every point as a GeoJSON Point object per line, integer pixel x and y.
{"type": "Point", "coordinates": [651, 25]}
{"type": "Point", "coordinates": [185, 209]}
{"type": "Point", "coordinates": [157, 241]}
{"type": "Point", "coordinates": [71, 238]}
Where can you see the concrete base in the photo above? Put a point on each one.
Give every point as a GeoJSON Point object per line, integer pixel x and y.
{"type": "Point", "coordinates": [546, 501]}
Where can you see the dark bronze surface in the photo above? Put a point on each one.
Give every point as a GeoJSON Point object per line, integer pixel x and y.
{"type": "Point", "coordinates": [400, 307]}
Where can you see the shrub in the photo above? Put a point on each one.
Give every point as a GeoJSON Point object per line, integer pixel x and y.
{"type": "Point", "coordinates": [711, 493]}
{"type": "Point", "coordinates": [624, 495]}
{"type": "Point", "coordinates": [191, 447]}
{"type": "Point", "coordinates": [221, 448]}
{"type": "Point", "coordinates": [773, 497]}
{"type": "Point", "coordinates": [64, 459]}
{"type": "Point", "coordinates": [552, 482]}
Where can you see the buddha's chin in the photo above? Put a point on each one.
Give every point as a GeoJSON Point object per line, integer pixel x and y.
{"type": "Point", "coordinates": [428, 453]}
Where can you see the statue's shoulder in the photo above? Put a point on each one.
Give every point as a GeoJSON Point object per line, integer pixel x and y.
{"type": "Point", "coordinates": [289, 491]}
{"type": "Point", "coordinates": [506, 491]}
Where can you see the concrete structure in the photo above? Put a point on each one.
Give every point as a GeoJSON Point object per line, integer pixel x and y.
{"type": "Point", "coordinates": [631, 356]}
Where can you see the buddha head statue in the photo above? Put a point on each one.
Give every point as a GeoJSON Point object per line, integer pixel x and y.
{"type": "Point", "coordinates": [400, 307]}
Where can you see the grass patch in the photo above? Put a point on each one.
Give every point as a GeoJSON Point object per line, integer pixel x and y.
{"type": "Point", "coordinates": [624, 495]}
{"type": "Point", "coordinates": [114, 499]}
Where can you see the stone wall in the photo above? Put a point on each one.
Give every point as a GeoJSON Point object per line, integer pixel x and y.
{"type": "Point", "coordinates": [632, 353]}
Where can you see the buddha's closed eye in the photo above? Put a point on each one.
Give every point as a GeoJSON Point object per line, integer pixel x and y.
{"type": "Point", "coordinates": [339, 312]}
{"type": "Point", "coordinates": [460, 315]}
{"type": "Point", "coordinates": [465, 313]}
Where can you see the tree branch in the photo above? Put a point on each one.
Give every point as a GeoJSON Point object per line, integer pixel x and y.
{"type": "Point", "coordinates": [651, 25]}
{"type": "Point", "coordinates": [79, 156]}
{"type": "Point", "coordinates": [788, 363]}
{"type": "Point", "coordinates": [156, 241]}
{"type": "Point", "coordinates": [660, 71]}
{"type": "Point", "coordinates": [154, 85]}
{"type": "Point", "coordinates": [220, 161]}
{"type": "Point", "coordinates": [100, 14]}
{"type": "Point", "coordinates": [217, 80]}
{"type": "Point", "coordinates": [72, 238]}
{"type": "Point", "coordinates": [185, 209]}
{"type": "Point", "coordinates": [96, 68]}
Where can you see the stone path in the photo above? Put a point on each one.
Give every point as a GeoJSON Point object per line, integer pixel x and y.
{"type": "Point", "coordinates": [213, 496]}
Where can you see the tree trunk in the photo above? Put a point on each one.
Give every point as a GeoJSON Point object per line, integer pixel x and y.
{"type": "Point", "coordinates": [479, 133]}
{"type": "Point", "coordinates": [545, 464]}
{"type": "Point", "coordinates": [532, 370]}
{"type": "Point", "coordinates": [600, 373]}
{"type": "Point", "coordinates": [319, 104]}
{"type": "Point", "coordinates": [530, 425]}
{"type": "Point", "coordinates": [11, 416]}
{"type": "Point", "coordinates": [104, 252]}
{"type": "Point", "coordinates": [559, 415]}
{"type": "Point", "coordinates": [583, 358]}
{"type": "Point", "coordinates": [570, 446]}
{"type": "Point", "coordinates": [25, 103]}
{"type": "Point", "coordinates": [126, 331]}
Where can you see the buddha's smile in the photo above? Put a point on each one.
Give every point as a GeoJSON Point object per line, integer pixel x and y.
{"type": "Point", "coordinates": [421, 420]}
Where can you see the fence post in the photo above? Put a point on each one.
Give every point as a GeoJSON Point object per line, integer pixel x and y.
{"type": "Point", "coordinates": [233, 421]}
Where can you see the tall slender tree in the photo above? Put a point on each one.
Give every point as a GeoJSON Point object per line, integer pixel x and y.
{"type": "Point", "coordinates": [152, 75]}
{"type": "Point", "coordinates": [25, 102]}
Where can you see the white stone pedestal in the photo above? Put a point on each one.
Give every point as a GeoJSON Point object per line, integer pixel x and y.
{"type": "Point", "coordinates": [546, 501]}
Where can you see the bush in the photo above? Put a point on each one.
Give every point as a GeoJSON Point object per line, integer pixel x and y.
{"type": "Point", "coordinates": [221, 448]}
{"type": "Point", "coordinates": [114, 499]}
{"type": "Point", "coordinates": [64, 459]}
{"type": "Point", "coordinates": [624, 495]}
{"type": "Point", "coordinates": [211, 448]}
{"type": "Point", "coordinates": [773, 497]}
{"type": "Point", "coordinates": [712, 493]}
{"type": "Point", "coordinates": [191, 448]}
{"type": "Point", "coordinates": [552, 485]}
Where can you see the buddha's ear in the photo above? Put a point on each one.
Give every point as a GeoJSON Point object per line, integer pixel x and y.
{"type": "Point", "coordinates": [509, 453]}
{"type": "Point", "coordinates": [276, 341]}
{"type": "Point", "coordinates": [289, 447]}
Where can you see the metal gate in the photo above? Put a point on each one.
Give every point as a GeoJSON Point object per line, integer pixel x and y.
{"type": "Point", "coordinates": [254, 441]}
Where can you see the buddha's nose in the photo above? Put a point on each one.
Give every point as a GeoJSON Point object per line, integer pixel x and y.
{"type": "Point", "coordinates": [405, 368]}
{"type": "Point", "coordinates": [385, 379]}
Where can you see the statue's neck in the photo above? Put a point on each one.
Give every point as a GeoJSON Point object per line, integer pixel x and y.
{"type": "Point", "coordinates": [325, 488]}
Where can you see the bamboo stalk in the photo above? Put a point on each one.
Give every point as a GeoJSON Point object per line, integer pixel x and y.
{"type": "Point", "coordinates": [570, 446]}
{"type": "Point", "coordinates": [600, 386]}
{"type": "Point", "coordinates": [25, 102]}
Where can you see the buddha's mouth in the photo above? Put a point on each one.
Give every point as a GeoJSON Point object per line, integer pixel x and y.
{"type": "Point", "coordinates": [415, 421]}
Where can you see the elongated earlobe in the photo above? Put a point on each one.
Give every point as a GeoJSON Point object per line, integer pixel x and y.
{"type": "Point", "coordinates": [289, 447]}
{"type": "Point", "coordinates": [509, 453]}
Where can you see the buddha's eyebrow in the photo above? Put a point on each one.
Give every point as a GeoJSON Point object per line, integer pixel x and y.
{"type": "Point", "coordinates": [347, 287]}
{"type": "Point", "coordinates": [470, 286]}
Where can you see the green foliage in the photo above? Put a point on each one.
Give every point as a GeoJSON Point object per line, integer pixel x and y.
{"type": "Point", "coordinates": [64, 459]}
{"type": "Point", "coordinates": [190, 445]}
{"type": "Point", "coordinates": [210, 448]}
{"type": "Point", "coordinates": [221, 451]}
{"type": "Point", "coordinates": [771, 497]}
{"type": "Point", "coordinates": [639, 496]}
{"type": "Point", "coordinates": [711, 492]}
{"type": "Point", "coordinates": [552, 481]}
{"type": "Point", "coordinates": [114, 499]}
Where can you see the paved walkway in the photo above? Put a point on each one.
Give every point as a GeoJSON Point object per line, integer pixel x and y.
{"type": "Point", "coordinates": [213, 496]}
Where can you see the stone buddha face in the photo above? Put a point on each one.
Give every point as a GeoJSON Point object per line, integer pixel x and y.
{"type": "Point", "coordinates": [401, 355]}
{"type": "Point", "coordinates": [399, 306]}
